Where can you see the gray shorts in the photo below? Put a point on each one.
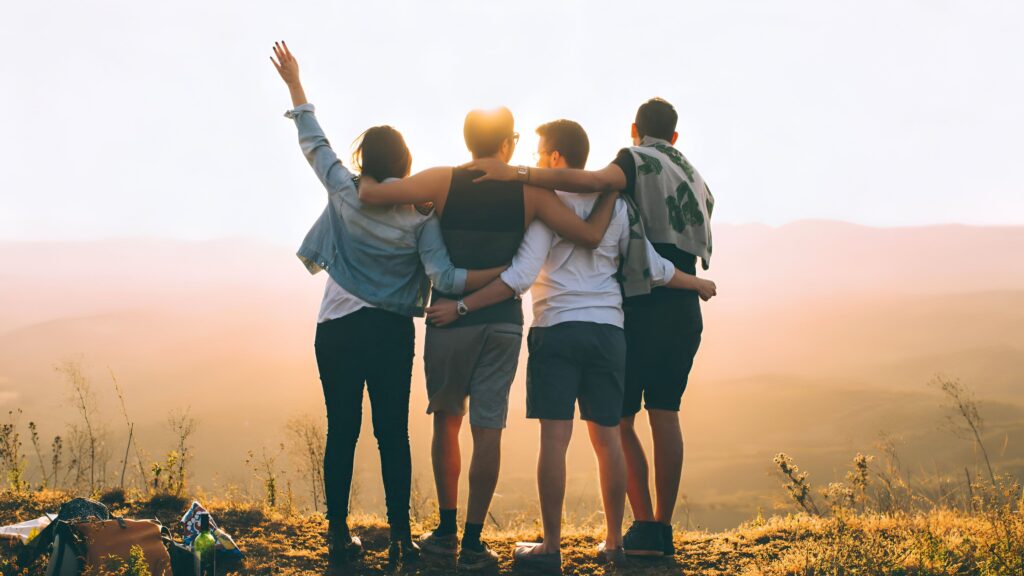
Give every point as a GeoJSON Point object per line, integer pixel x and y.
{"type": "Point", "coordinates": [477, 362]}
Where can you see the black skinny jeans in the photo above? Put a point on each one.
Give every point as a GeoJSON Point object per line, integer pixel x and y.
{"type": "Point", "coordinates": [374, 347]}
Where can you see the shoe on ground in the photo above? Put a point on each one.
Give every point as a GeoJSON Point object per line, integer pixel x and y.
{"type": "Point", "coordinates": [644, 539]}
{"type": "Point", "coordinates": [439, 545]}
{"type": "Point", "coordinates": [478, 560]}
{"type": "Point", "coordinates": [666, 537]}
{"type": "Point", "coordinates": [614, 556]}
{"type": "Point", "coordinates": [403, 551]}
{"type": "Point", "coordinates": [342, 548]}
{"type": "Point", "coordinates": [525, 558]}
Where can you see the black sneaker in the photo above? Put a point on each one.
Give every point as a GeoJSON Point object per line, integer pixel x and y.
{"type": "Point", "coordinates": [644, 539]}
{"type": "Point", "coordinates": [402, 550]}
{"type": "Point", "coordinates": [666, 536]}
{"type": "Point", "coordinates": [478, 560]}
{"type": "Point", "coordinates": [342, 547]}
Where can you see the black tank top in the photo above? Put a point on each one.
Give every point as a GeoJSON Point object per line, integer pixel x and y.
{"type": "Point", "coordinates": [483, 225]}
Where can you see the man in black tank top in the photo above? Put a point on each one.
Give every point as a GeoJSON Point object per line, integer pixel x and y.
{"type": "Point", "coordinates": [663, 333]}
{"type": "Point", "coordinates": [475, 358]}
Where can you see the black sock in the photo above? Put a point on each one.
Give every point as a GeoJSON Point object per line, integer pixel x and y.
{"type": "Point", "coordinates": [471, 537]}
{"type": "Point", "coordinates": [447, 525]}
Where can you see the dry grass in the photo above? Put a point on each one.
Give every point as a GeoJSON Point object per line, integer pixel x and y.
{"type": "Point", "coordinates": [940, 542]}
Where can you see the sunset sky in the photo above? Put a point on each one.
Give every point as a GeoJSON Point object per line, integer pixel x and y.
{"type": "Point", "coordinates": [164, 119]}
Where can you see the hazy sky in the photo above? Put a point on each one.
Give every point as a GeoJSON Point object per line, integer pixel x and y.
{"type": "Point", "coordinates": [164, 118]}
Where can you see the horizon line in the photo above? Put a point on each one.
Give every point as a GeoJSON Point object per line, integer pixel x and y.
{"type": "Point", "coordinates": [265, 240]}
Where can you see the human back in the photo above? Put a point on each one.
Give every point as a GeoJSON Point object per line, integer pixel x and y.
{"type": "Point", "coordinates": [591, 291]}
{"type": "Point", "coordinates": [483, 223]}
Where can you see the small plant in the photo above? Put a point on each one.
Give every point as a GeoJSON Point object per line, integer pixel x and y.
{"type": "Point", "coordinates": [859, 479]}
{"type": "Point", "coordinates": [797, 483]}
{"type": "Point", "coordinates": [113, 565]}
{"type": "Point", "coordinates": [11, 459]}
{"type": "Point", "coordinates": [163, 474]}
{"type": "Point", "coordinates": [420, 505]}
{"type": "Point", "coordinates": [308, 441]}
{"type": "Point", "coordinates": [264, 467]}
{"type": "Point", "coordinates": [132, 441]}
{"type": "Point", "coordinates": [90, 450]}
{"type": "Point", "coordinates": [34, 436]}
{"type": "Point", "coordinates": [56, 451]}
{"type": "Point", "coordinates": [183, 425]}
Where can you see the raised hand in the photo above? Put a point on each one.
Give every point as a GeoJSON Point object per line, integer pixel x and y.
{"type": "Point", "coordinates": [288, 67]}
{"type": "Point", "coordinates": [286, 64]}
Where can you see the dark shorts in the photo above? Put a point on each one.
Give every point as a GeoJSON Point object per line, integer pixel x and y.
{"type": "Point", "coordinates": [662, 338]}
{"type": "Point", "coordinates": [576, 361]}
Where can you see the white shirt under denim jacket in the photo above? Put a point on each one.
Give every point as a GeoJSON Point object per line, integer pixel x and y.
{"type": "Point", "coordinates": [385, 256]}
{"type": "Point", "coordinates": [577, 284]}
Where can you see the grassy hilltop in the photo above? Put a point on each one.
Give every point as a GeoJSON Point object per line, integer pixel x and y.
{"type": "Point", "coordinates": [940, 542]}
{"type": "Point", "coordinates": [879, 517]}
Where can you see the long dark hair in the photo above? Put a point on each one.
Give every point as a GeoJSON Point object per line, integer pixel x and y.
{"type": "Point", "coordinates": [381, 152]}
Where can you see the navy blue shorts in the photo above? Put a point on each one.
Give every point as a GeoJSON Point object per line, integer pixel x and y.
{"type": "Point", "coordinates": [573, 361]}
{"type": "Point", "coordinates": [662, 338]}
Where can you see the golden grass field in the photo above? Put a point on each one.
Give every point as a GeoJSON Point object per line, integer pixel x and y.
{"type": "Point", "coordinates": [938, 542]}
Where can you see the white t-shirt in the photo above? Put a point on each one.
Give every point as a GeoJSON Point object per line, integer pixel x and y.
{"type": "Point", "coordinates": [571, 283]}
{"type": "Point", "coordinates": [339, 302]}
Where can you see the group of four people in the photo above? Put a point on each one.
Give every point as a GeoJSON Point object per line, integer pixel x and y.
{"type": "Point", "coordinates": [611, 259]}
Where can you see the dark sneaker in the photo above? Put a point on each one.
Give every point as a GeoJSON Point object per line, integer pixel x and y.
{"type": "Point", "coordinates": [404, 551]}
{"type": "Point", "coordinates": [342, 547]}
{"type": "Point", "coordinates": [525, 558]}
{"type": "Point", "coordinates": [666, 537]}
{"type": "Point", "coordinates": [614, 556]}
{"type": "Point", "coordinates": [478, 560]}
{"type": "Point", "coordinates": [446, 545]}
{"type": "Point", "coordinates": [644, 539]}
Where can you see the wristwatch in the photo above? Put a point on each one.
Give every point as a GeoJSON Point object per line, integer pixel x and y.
{"type": "Point", "coordinates": [460, 307]}
{"type": "Point", "coordinates": [523, 173]}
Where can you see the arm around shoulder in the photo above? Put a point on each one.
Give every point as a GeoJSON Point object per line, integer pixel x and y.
{"type": "Point", "coordinates": [426, 186]}
{"type": "Point", "coordinates": [544, 205]}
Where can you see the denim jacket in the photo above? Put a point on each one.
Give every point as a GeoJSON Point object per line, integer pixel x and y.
{"type": "Point", "coordinates": [385, 255]}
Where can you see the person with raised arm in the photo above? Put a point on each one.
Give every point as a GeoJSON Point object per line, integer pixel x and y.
{"type": "Point", "coordinates": [476, 357]}
{"type": "Point", "coordinates": [663, 327]}
{"type": "Point", "coordinates": [380, 262]}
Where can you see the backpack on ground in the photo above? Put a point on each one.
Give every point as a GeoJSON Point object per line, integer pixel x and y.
{"type": "Point", "coordinates": [94, 545]}
{"type": "Point", "coordinates": [74, 510]}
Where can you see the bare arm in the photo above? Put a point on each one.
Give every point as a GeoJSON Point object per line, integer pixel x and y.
{"type": "Point", "coordinates": [706, 289]}
{"type": "Point", "coordinates": [664, 273]}
{"type": "Point", "coordinates": [477, 279]}
{"type": "Point", "coordinates": [426, 186]}
{"type": "Point", "coordinates": [545, 206]}
{"type": "Point", "coordinates": [443, 312]}
{"type": "Point", "coordinates": [315, 146]}
{"type": "Point", "coordinates": [607, 179]}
